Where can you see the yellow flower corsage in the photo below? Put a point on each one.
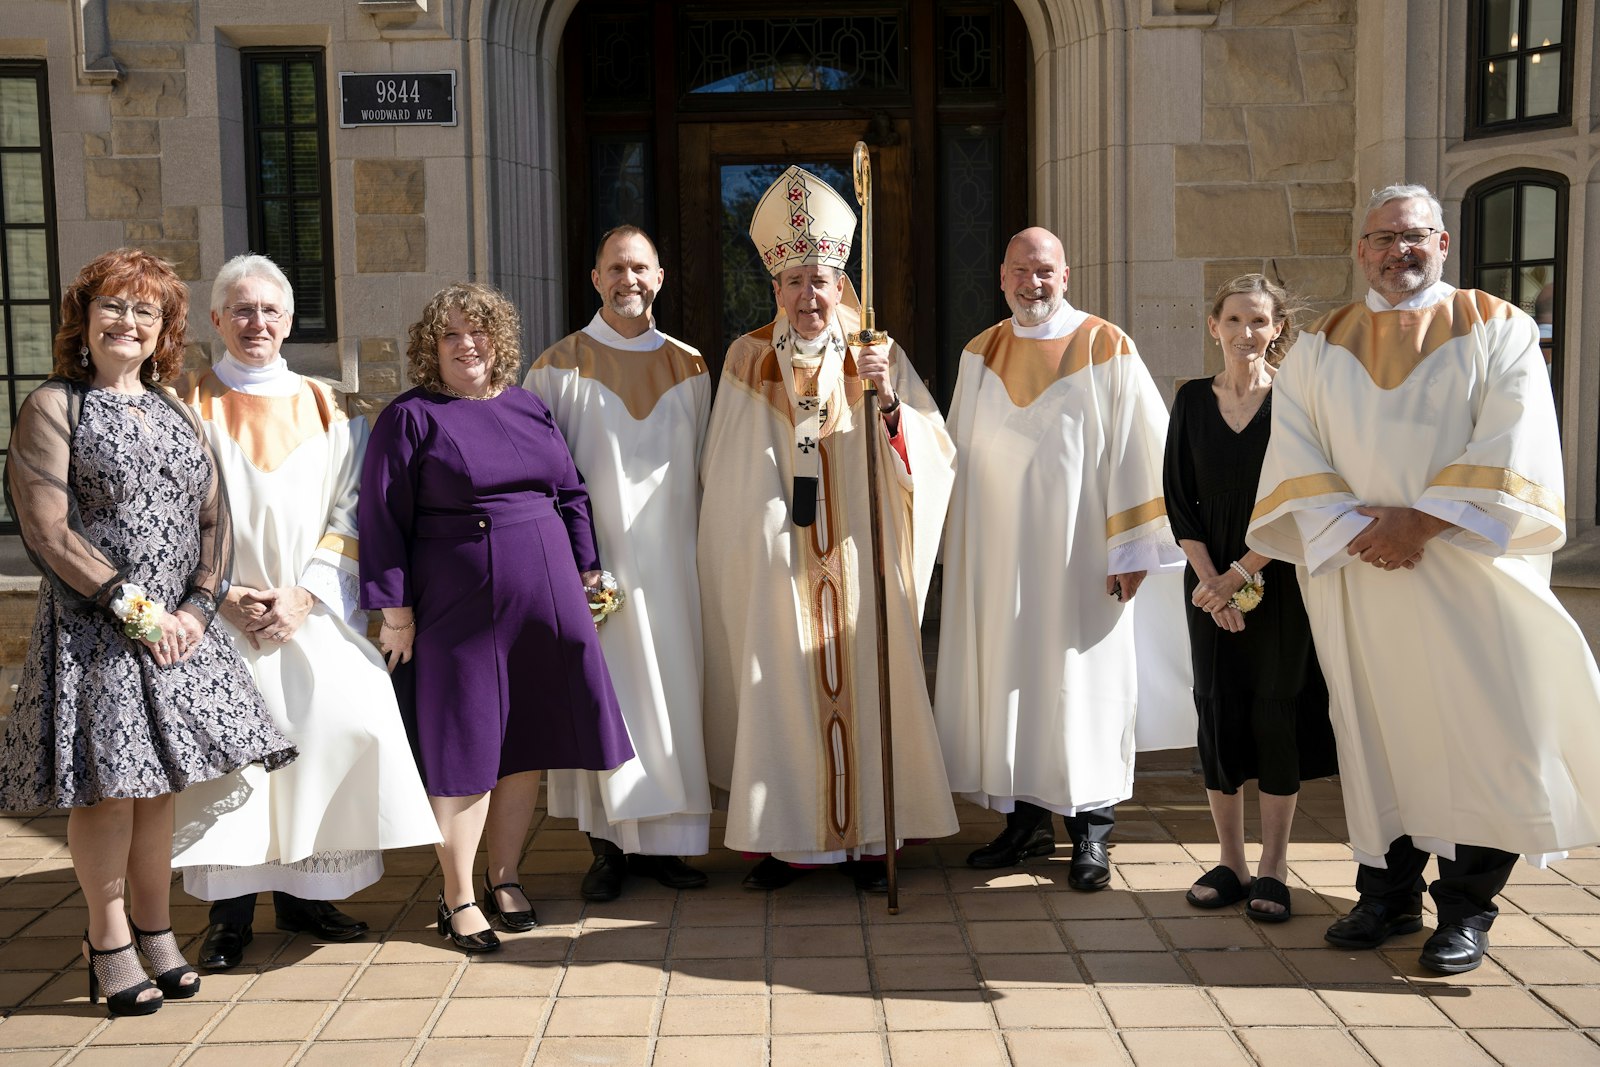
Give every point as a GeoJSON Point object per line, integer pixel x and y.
{"type": "Point", "coordinates": [1248, 598]}
{"type": "Point", "coordinates": [606, 598]}
{"type": "Point", "coordinates": [140, 615]}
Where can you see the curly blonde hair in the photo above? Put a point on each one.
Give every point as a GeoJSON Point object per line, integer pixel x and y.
{"type": "Point", "coordinates": [144, 276]}
{"type": "Point", "coordinates": [1285, 309]}
{"type": "Point", "coordinates": [485, 307]}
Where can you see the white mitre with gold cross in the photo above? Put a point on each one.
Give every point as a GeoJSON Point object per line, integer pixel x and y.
{"type": "Point", "coordinates": [800, 221]}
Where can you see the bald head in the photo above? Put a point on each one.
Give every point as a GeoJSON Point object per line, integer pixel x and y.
{"type": "Point", "coordinates": [1034, 275]}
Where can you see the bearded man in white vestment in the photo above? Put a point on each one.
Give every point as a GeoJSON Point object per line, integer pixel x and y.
{"type": "Point", "coordinates": [786, 578]}
{"type": "Point", "coordinates": [633, 405]}
{"type": "Point", "coordinates": [291, 462]}
{"type": "Point", "coordinates": [1414, 476]}
{"type": "Point", "coordinates": [1057, 518]}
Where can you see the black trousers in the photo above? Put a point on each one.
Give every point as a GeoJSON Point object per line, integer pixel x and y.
{"type": "Point", "coordinates": [1464, 892]}
{"type": "Point", "coordinates": [239, 911]}
{"type": "Point", "coordinates": [1093, 825]}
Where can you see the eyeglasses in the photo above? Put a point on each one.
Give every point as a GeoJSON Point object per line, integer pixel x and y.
{"type": "Point", "coordinates": [1381, 240]}
{"type": "Point", "coordinates": [246, 312]}
{"type": "Point", "coordinates": [113, 309]}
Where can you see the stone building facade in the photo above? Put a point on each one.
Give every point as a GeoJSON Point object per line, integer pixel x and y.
{"type": "Point", "coordinates": [1172, 144]}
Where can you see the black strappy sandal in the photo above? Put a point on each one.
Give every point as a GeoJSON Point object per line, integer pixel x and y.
{"type": "Point", "coordinates": [160, 947]}
{"type": "Point", "coordinates": [120, 967]}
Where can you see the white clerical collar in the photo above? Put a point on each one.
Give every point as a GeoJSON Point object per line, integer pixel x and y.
{"type": "Point", "coordinates": [1066, 319]}
{"type": "Point", "coordinates": [1425, 297]}
{"type": "Point", "coordinates": [275, 379]}
{"type": "Point", "coordinates": [602, 331]}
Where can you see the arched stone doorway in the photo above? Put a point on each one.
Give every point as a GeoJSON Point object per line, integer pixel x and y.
{"type": "Point", "coordinates": [1074, 156]}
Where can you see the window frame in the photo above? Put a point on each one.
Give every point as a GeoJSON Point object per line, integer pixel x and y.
{"type": "Point", "coordinates": [1477, 57]}
{"type": "Point", "coordinates": [38, 70]}
{"type": "Point", "coordinates": [255, 198]}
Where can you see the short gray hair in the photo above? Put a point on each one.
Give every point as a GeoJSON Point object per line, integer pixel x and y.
{"type": "Point", "coordinates": [250, 265]}
{"type": "Point", "coordinates": [1383, 196]}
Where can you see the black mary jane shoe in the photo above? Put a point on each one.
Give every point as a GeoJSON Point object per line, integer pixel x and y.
{"type": "Point", "coordinates": [482, 941]}
{"type": "Point", "coordinates": [1454, 949]}
{"type": "Point", "coordinates": [773, 873]}
{"type": "Point", "coordinates": [320, 919]}
{"type": "Point", "coordinates": [120, 967]}
{"type": "Point", "coordinates": [160, 947]}
{"type": "Point", "coordinates": [514, 921]}
{"type": "Point", "coordinates": [670, 871]}
{"type": "Point", "coordinates": [224, 945]}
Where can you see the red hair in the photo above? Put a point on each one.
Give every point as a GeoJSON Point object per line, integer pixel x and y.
{"type": "Point", "coordinates": [137, 273]}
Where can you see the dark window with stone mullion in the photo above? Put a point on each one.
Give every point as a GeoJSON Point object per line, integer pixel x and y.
{"type": "Point", "coordinates": [1519, 62]}
{"type": "Point", "coordinates": [286, 143]}
{"type": "Point", "coordinates": [1516, 226]}
{"type": "Point", "coordinates": [30, 290]}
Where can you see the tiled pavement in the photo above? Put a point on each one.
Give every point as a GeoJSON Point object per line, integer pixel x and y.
{"type": "Point", "coordinates": [1011, 969]}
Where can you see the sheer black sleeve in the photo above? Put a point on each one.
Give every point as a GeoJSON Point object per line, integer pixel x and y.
{"type": "Point", "coordinates": [1178, 479]}
{"type": "Point", "coordinates": [39, 494]}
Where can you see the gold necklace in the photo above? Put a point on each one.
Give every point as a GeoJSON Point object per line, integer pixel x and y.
{"type": "Point", "coordinates": [447, 391]}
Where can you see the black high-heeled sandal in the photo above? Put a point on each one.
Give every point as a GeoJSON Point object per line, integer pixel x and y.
{"type": "Point", "coordinates": [482, 941]}
{"type": "Point", "coordinates": [160, 947]}
{"type": "Point", "coordinates": [120, 967]}
{"type": "Point", "coordinates": [514, 921]}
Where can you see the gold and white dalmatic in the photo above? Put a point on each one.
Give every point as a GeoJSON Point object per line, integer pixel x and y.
{"type": "Point", "coordinates": [1059, 430]}
{"type": "Point", "coordinates": [1465, 699]}
{"type": "Point", "coordinates": [291, 461]}
{"type": "Point", "coordinates": [634, 413]}
{"type": "Point", "coordinates": [792, 732]}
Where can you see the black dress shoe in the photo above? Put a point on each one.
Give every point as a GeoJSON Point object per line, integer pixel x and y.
{"type": "Point", "coordinates": [319, 919]}
{"type": "Point", "coordinates": [604, 880]}
{"type": "Point", "coordinates": [670, 871]}
{"type": "Point", "coordinates": [1454, 949]}
{"type": "Point", "coordinates": [870, 876]}
{"type": "Point", "coordinates": [1014, 845]}
{"type": "Point", "coordinates": [773, 873]}
{"type": "Point", "coordinates": [482, 941]}
{"type": "Point", "coordinates": [1369, 924]}
{"type": "Point", "coordinates": [1091, 867]}
{"type": "Point", "coordinates": [224, 945]}
{"type": "Point", "coordinates": [514, 921]}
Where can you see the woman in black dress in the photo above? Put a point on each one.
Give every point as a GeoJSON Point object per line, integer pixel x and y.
{"type": "Point", "coordinates": [1261, 700]}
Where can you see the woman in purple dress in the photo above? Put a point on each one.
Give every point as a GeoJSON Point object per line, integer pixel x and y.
{"type": "Point", "coordinates": [476, 544]}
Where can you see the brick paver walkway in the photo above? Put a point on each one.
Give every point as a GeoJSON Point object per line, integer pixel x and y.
{"type": "Point", "coordinates": [1012, 969]}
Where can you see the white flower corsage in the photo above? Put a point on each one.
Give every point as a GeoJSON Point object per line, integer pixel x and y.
{"type": "Point", "coordinates": [141, 616]}
{"type": "Point", "coordinates": [1248, 598]}
{"type": "Point", "coordinates": [605, 598]}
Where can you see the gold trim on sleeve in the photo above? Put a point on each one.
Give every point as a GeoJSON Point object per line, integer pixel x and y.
{"type": "Point", "coordinates": [1294, 488]}
{"type": "Point", "coordinates": [1501, 480]}
{"type": "Point", "coordinates": [344, 546]}
{"type": "Point", "coordinates": [1123, 521]}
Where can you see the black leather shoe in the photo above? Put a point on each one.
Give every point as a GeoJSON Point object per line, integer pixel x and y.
{"type": "Point", "coordinates": [1454, 949]}
{"type": "Point", "coordinates": [1369, 924]}
{"type": "Point", "coordinates": [514, 921]}
{"type": "Point", "coordinates": [224, 945]}
{"type": "Point", "coordinates": [773, 873]}
{"type": "Point", "coordinates": [670, 871]}
{"type": "Point", "coordinates": [319, 919]}
{"type": "Point", "coordinates": [1091, 867]}
{"type": "Point", "coordinates": [1014, 845]}
{"type": "Point", "coordinates": [604, 880]}
{"type": "Point", "coordinates": [482, 941]}
{"type": "Point", "coordinates": [870, 876]}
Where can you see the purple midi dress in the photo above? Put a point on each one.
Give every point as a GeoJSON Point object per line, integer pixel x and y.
{"type": "Point", "coordinates": [473, 514]}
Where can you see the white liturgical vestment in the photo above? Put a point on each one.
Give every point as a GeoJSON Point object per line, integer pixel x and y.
{"type": "Point", "coordinates": [1465, 699]}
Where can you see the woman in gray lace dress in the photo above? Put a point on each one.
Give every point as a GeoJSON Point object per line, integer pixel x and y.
{"type": "Point", "coordinates": [116, 494]}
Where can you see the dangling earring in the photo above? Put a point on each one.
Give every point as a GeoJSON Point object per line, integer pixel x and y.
{"type": "Point", "coordinates": [83, 356]}
{"type": "Point", "coordinates": [155, 371]}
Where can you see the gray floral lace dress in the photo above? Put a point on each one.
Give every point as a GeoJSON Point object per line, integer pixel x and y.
{"type": "Point", "coordinates": [109, 488]}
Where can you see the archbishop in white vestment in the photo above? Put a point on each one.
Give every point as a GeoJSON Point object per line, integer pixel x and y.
{"type": "Point", "coordinates": [634, 413]}
{"type": "Point", "coordinates": [1466, 702]}
{"type": "Point", "coordinates": [1059, 429]}
{"type": "Point", "coordinates": [291, 461]}
{"type": "Point", "coordinates": [787, 589]}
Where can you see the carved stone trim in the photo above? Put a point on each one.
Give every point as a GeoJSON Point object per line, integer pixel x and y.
{"type": "Point", "coordinates": [408, 18]}
{"type": "Point", "coordinates": [96, 69]}
{"type": "Point", "coordinates": [1170, 14]}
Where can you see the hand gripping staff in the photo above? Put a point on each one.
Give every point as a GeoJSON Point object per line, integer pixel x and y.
{"type": "Point", "coordinates": [861, 167]}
